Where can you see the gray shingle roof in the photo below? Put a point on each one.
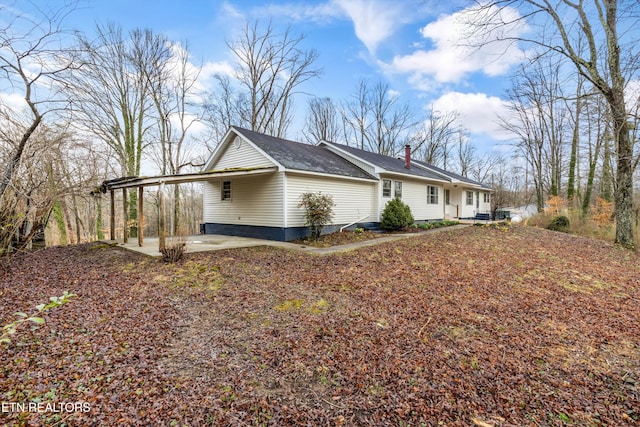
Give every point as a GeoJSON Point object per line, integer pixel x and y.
{"type": "Point", "coordinates": [387, 163]}
{"type": "Point", "coordinates": [451, 174]}
{"type": "Point", "coordinates": [304, 157]}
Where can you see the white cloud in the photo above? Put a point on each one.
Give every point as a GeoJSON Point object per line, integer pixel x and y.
{"type": "Point", "coordinates": [393, 94]}
{"type": "Point", "coordinates": [13, 101]}
{"type": "Point", "coordinates": [458, 50]}
{"type": "Point", "coordinates": [376, 20]}
{"type": "Point", "coordinates": [632, 96]}
{"type": "Point", "coordinates": [206, 81]}
{"type": "Point", "coordinates": [209, 69]}
{"type": "Point", "coordinates": [230, 12]}
{"type": "Point", "coordinates": [373, 20]}
{"type": "Point", "coordinates": [300, 12]}
{"type": "Point", "coordinates": [478, 113]}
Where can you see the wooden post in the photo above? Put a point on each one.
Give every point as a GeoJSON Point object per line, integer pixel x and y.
{"type": "Point", "coordinates": [161, 231]}
{"type": "Point", "coordinates": [112, 223]}
{"type": "Point", "coordinates": [125, 217]}
{"type": "Point", "coordinates": [140, 215]}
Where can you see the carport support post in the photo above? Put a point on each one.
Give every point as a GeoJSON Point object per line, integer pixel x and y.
{"type": "Point", "coordinates": [112, 223]}
{"type": "Point", "coordinates": [125, 217]}
{"type": "Point", "coordinates": [161, 232]}
{"type": "Point", "coordinates": [140, 215]}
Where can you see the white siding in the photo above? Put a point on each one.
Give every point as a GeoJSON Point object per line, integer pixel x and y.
{"type": "Point", "coordinates": [353, 199]}
{"type": "Point", "coordinates": [456, 202]}
{"type": "Point", "coordinates": [245, 156]}
{"type": "Point", "coordinates": [467, 211]}
{"type": "Point", "coordinates": [485, 206]}
{"type": "Point", "coordinates": [414, 194]}
{"type": "Point", "coordinates": [255, 200]}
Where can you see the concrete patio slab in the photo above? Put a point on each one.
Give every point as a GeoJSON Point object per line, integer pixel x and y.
{"type": "Point", "coordinates": [215, 242]}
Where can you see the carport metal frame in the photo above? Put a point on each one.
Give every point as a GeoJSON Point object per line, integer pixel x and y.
{"type": "Point", "coordinates": [126, 183]}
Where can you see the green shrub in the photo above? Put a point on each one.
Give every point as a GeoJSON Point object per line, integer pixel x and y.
{"type": "Point", "coordinates": [396, 215]}
{"type": "Point", "coordinates": [559, 223]}
{"type": "Point", "coordinates": [318, 211]}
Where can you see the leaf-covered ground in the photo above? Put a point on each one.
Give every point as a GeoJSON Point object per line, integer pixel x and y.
{"type": "Point", "coordinates": [339, 238]}
{"type": "Point", "coordinates": [474, 326]}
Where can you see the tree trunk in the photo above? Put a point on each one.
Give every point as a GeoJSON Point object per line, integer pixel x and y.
{"type": "Point", "coordinates": [624, 182]}
{"type": "Point", "coordinates": [99, 222]}
{"type": "Point", "coordinates": [589, 187]}
{"type": "Point", "coordinates": [606, 185]}
{"type": "Point", "coordinates": [575, 139]}
{"type": "Point", "coordinates": [176, 210]}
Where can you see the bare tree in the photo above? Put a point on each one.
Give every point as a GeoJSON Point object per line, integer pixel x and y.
{"type": "Point", "coordinates": [554, 115]}
{"type": "Point", "coordinates": [526, 122]}
{"type": "Point", "coordinates": [172, 83]}
{"type": "Point", "coordinates": [484, 165]}
{"type": "Point", "coordinates": [609, 58]}
{"type": "Point", "coordinates": [271, 69]}
{"type": "Point", "coordinates": [597, 134]}
{"type": "Point", "coordinates": [34, 61]}
{"type": "Point", "coordinates": [467, 153]}
{"type": "Point", "coordinates": [322, 122]}
{"type": "Point", "coordinates": [575, 117]}
{"type": "Point", "coordinates": [355, 116]}
{"type": "Point", "coordinates": [113, 93]}
{"type": "Point", "coordinates": [435, 136]}
{"type": "Point", "coordinates": [375, 119]}
{"type": "Point", "coordinates": [222, 110]}
{"type": "Point", "coordinates": [32, 53]}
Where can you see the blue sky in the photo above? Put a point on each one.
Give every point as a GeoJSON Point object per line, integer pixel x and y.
{"type": "Point", "coordinates": [414, 45]}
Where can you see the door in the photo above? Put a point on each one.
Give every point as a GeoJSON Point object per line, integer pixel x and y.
{"type": "Point", "coordinates": [447, 204]}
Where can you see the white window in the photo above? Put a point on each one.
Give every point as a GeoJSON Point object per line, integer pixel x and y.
{"type": "Point", "coordinates": [487, 198]}
{"type": "Point", "coordinates": [447, 197]}
{"type": "Point", "coordinates": [398, 189]}
{"type": "Point", "coordinates": [432, 194]}
{"type": "Point", "coordinates": [469, 198]}
{"type": "Point", "coordinates": [386, 188]}
{"type": "Point", "coordinates": [225, 190]}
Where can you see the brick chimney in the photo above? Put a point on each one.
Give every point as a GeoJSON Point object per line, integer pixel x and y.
{"type": "Point", "coordinates": [407, 156]}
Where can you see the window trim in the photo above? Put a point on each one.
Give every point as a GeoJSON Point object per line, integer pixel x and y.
{"type": "Point", "coordinates": [487, 198]}
{"type": "Point", "coordinates": [469, 202]}
{"type": "Point", "coordinates": [433, 195]}
{"type": "Point", "coordinates": [225, 194]}
{"type": "Point", "coordinates": [386, 181]}
{"type": "Point", "coordinates": [397, 189]}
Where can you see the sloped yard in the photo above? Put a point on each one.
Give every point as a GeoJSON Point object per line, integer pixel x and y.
{"type": "Point", "coordinates": [476, 326]}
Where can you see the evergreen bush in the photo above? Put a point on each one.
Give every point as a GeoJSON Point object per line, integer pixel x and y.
{"type": "Point", "coordinates": [559, 223]}
{"type": "Point", "coordinates": [396, 215]}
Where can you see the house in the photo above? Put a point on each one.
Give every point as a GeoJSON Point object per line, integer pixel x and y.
{"type": "Point", "coordinates": [263, 201]}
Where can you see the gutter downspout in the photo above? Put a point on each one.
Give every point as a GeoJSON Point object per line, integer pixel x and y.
{"type": "Point", "coordinates": [354, 222]}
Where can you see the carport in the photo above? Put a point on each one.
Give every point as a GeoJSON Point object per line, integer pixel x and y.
{"type": "Point", "coordinates": [138, 184]}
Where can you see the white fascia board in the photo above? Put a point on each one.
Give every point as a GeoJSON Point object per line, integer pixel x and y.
{"type": "Point", "coordinates": [330, 175]}
{"type": "Point", "coordinates": [415, 177]}
{"type": "Point", "coordinates": [228, 139]}
{"type": "Point", "coordinates": [208, 165]}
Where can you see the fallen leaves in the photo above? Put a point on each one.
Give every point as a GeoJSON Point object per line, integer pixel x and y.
{"type": "Point", "coordinates": [467, 327]}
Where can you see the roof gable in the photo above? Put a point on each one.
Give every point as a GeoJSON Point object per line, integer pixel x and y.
{"type": "Point", "coordinates": [297, 156]}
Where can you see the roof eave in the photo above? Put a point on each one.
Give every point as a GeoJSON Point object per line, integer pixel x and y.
{"type": "Point", "coordinates": [135, 182]}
